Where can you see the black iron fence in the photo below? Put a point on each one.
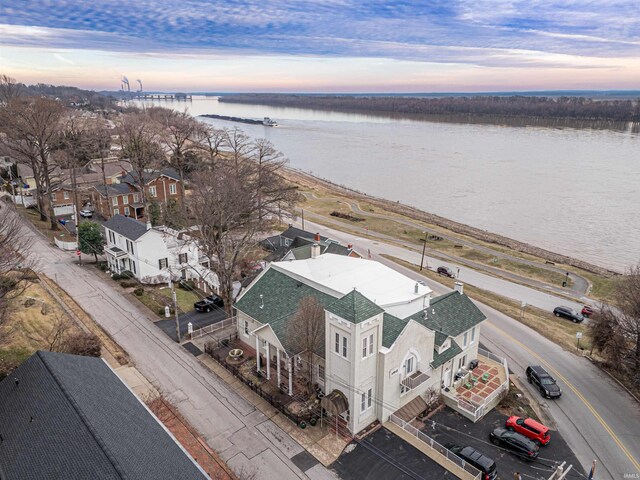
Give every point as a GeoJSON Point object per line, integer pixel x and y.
{"type": "Point", "coordinates": [302, 419]}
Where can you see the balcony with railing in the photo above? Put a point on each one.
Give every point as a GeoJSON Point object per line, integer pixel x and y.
{"type": "Point", "coordinates": [417, 378]}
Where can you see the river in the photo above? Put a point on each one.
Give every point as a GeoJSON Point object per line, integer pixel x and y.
{"type": "Point", "coordinates": [572, 191]}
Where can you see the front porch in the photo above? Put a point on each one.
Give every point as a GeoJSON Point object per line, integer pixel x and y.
{"type": "Point", "coordinates": [117, 258]}
{"type": "Point", "coordinates": [481, 389]}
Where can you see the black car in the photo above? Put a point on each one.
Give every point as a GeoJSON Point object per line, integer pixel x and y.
{"type": "Point", "coordinates": [209, 303]}
{"type": "Point", "coordinates": [568, 312]}
{"type": "Point", "coordinates": [516, 442]}
{"type": "Point", "coordinates": [472, 456]}
{"type": "Point", "coordinates": [539, 377]}
{"type": "Point", "coordinates": [446, 271]}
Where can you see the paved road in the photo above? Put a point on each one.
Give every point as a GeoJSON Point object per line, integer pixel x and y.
{"type": "Point", "coordinates": [242, 435]}
{"type": "Point", "coordinates": [596, 417]}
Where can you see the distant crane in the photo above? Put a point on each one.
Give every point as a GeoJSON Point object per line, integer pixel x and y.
{"type": "Point", "coordinates": [140, 82]}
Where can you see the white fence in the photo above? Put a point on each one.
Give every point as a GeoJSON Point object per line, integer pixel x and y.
{"type": "Point", "coordinates": [200, 332]}
{"type": "Point", "coordinates": [62, 245]}
{"type": "Point", "coordinates": [435, 446]}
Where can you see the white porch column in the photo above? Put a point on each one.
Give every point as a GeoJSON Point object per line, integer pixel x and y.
{"type": "Point", "coordinates": [290, 377]}
{"type": "Point", "coordinates": [257, 354]}
{"type": "Point", "coordinates": [268, 349]}
{"type": "Point", "coordinates": [278, 366]}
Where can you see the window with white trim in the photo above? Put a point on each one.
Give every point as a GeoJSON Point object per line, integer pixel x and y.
{"type": "Point", "coordinates": [163, 263]}
{"type": "Point", "coordinates": [126, 211]}
{"type": "Point", "coordinates": [246, 327]}
{"type": "Point", "coordinates": [344, 347]}
{"type": "Point", "coordinates": [473, 335]}
{"type": "Point", "coordinates": [65, 194]}
{"type": "Point", "coordinates": [364, 347]}
{"type": "Point", "coordinates": [462, 362]}
{"type": "Point", "coordinates": [321, 372]}
{"type": "Point", "coordinates": [182, 258]}
{"type": "Point", "coordinates": [465, 339]}
{"type": "Point", "coordinates": [337, 343]}
{"type": "Point", "coordinates": [172, 189]}
{"type": "Point", "coordinates": [409, 365]}
{"type": "Point", "coordinates": [366, 400]}
{"type": "Point", "coordinates": [152, 191]}
{"type": "Point", "coordinates": [116, 211]}
{"type": "Point", "coordinates": [114, 201]}
{"type": "Point", "coordinates": [136, 199]}
{"type": "Point", "coordinates": [371, 344]}
{"type": "Point", "coordinates": [125, 199]}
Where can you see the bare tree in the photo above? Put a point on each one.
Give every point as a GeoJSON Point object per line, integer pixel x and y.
{"type": "Point", "coordinates": [139, 141]}
{"type": "Point", "coordinates": [615, 329]}
{"type": "Point", "coordinates": [212, 141]}
{"type": "Point", "coordinates": [225, 206]}
{"type": "Point", "coordinates": [9, 89]}
{"type": "Point", "coordinates": [15, 260]}
{"type": "Point", "coordinates": [30, 126]}
{"type": "Point", "coordinates": [305, 332]}
{"type": "Point", "coordinates": [178, 133]}
{"type": "Point", "coordinates": [239, 144]}
{"type": "Point", "coordinates": [268, 161]}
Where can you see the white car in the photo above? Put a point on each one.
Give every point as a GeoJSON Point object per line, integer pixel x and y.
{"type": "Point", "coordinates": [86, 213]}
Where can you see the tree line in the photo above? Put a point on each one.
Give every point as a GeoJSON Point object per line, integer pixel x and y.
{"type": "Point", "coordinates": [575, 108]}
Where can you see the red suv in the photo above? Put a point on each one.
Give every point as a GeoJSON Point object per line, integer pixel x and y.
{"type": "Point", "coordinates": [530, 429]}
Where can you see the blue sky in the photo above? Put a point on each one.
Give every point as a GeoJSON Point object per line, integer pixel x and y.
{"type": "Point", "coordinates": [329, 45]}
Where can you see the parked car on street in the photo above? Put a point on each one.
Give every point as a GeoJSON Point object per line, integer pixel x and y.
{"type": "Point", "coordinates": [516, 442]}
{"type": "Point", "coordinates": [539, 377]}
{"type": "Point", "coordinates": [86, 213]}
{"type": "Point", "coordinates": [568, 312]}
{"type": "Point", "coordinates": [529, 428]}
{"type": "Point", "coordinates": [479, 460]}
{"type": "Point", "coordinates": [209, 303]}
{"type": "Point", "coordinates": [587, 311]}
{"type": "Point", "coordinates": [446, 271]}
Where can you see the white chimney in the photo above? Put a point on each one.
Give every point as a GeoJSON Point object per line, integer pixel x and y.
{"type": "Point", "coordinates": [148, 224]}
{"type": "Point", "coordinates": [315, 250]}
{"type": "Point", "coordinates": [459, 287]}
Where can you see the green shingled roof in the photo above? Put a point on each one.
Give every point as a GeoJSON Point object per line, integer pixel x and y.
{"type": "Point", "coordinates": [354, 307]}
{"type": "Point", "coordinates": [391, 328]}
{"type": "Point", "coordinates": [281, 297]}
{"type": "Point", "coordinates": [448, 354]}
{"type": "Point", "coordinates": [454, 314]}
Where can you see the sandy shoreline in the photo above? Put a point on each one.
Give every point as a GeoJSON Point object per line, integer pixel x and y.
{"type": "Point", "coordinates": [303, 178]}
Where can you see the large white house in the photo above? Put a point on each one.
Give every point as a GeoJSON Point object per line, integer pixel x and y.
{"type": "Point", "coordinates": [151, 254]}
{"type": "Point", "coordinates": [387, 341]}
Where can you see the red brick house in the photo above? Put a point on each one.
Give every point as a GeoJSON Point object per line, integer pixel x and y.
{"type": "Point", "coordinates": [125, 198]}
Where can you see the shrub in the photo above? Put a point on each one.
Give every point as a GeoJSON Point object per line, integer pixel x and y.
{"type": "Point", "coordinates": [129, 284]}
{"type": "Point", "coordinates": [104, 266]}
{"type": "Point", "coordinates": [86, 344]}
{"type": "Point", "coordinates": [138, 291]}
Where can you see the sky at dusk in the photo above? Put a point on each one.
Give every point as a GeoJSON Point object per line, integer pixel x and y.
{"type": "Point", "coordinates": [324, 46]}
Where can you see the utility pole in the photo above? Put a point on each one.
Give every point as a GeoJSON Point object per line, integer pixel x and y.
{"type": "Point", "coordinates": [303, 219]}
{"type": "Point", "coordinates": [424, 247]}
{"type": "Point", "coordinates": [175, 304]}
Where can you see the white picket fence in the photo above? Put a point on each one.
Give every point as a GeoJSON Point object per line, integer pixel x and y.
{"type": "Point", "coordinates": [200, 332]}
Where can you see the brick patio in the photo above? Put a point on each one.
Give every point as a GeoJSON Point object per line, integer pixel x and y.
{"type": "Point", "coordinates": [481, 390]}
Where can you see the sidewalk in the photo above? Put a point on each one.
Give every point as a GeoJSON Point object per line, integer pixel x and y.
{"type": "Point", "coordinates": [324, 445]}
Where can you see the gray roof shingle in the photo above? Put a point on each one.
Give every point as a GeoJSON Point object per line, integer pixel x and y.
{"type": "Point", "coordinates": [71, 417]}
{"type": "Point", "coordinates": [454, 314]}
{"type": "Point", "coordinates": [126, 226]}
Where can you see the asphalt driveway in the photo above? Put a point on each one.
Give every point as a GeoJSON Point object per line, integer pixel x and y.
{"type": "Point", "coordinates": [198, 319]}
{"type": "Point", "coordinates": [383, 455]}
{"type": "Point", "coordinates": [451, 427]}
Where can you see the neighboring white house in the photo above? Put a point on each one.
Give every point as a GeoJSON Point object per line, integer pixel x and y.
{"type": "Point", "coordinates": [151, 254]}
{"type": "Point", "coordinates": [387, 341]}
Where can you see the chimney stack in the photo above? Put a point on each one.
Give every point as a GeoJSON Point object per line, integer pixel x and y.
{"type": "Point", "coordinates": [350, 246]}
{"type": "Point", "coordinates": [415, 289]}
{"type": "Point", "coordinates": [315, 250]}
{"type": "Point", "coordinates": [316, 238]}
{"type": "Point", "coordinates": [148, 224]}
{"type": "Point", "coordinates": [459, 287]}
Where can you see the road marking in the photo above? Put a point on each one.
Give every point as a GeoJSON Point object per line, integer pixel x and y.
{"type": "Point", "coordinates": [577, 392]}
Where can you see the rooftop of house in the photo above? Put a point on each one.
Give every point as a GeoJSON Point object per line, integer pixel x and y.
{"type": "Point", "coordinates": [149, 176]}
{"type": "Point", "coordinates": [114, 189]}
{"type": "Point", "coordinates": [126, 226]}
{"type": "Point", "coordinates": [337, 275]}
{"type": "Point", "coordinates": [304, 252]}
{"type": "Point", "coordinates": [67, 416]}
